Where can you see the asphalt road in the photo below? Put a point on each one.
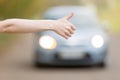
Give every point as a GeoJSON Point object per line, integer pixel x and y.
{"type": "Point", "coordinates": [17, 64]}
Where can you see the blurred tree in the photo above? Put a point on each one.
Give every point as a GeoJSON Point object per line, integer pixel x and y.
{"type": "Point", "coordinates": [20, 8]}
{"type": "Point", "coordinates": [27, 8]}
{"type": "Point", "coordinates": [105, 4]}
{"type": "Point", "coordinates": [63, 2]}
{"type": "Point", "coordinates": [101, 4]}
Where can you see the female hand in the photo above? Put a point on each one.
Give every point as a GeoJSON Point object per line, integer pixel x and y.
{"type": "Point", "coordinates": [63, 27]}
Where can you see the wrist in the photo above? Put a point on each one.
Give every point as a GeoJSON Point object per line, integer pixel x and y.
{"type": "Point", "coordinates": [51, 25]}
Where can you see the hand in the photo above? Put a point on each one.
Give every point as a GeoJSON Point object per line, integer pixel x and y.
{"type": "Point", "coordinates": [63, 27]}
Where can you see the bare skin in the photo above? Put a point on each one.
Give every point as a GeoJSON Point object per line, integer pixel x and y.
{"type": "Point", "coordinates": [61, 26]}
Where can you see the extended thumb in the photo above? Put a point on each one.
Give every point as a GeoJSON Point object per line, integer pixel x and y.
{"type": "Point", "coordinates": [69, 16]}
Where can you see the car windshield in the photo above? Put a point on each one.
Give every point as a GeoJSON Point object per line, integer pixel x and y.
{"type": "Point", "coordinates": [84, 22]}
{"type": "Point", "coordinates": [80, 21]}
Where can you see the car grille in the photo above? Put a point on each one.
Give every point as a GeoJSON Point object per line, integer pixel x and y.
{"type": "Point", "coordinates": [87, 56]}
{"type": "Point", "coordinates": [76, 46]}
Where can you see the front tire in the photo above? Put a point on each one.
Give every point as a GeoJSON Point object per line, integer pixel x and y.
{"type": "Point", "coordinates": [101, 65]}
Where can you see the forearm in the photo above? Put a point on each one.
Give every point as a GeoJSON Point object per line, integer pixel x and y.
{"type": "Point", "coordinates": [61, 26]}
{"type": "Point", "coordinates": [25, 26]}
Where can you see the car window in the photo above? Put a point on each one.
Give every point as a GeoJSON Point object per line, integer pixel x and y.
{"type": "Point", "coordinates": [84, 22]}
{"type": "Point", "coordinates": [79, 21]}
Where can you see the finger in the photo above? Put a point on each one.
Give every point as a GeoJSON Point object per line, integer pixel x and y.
{"type": "Point", "coordinates": [65, 36]}
{"type": "Point", "coordinates": [73, 28]}
{"type": "Point", "coordinates": [70, 30]}
{"type": "Point", "coordinates": [67, 33]}
{"type": "Point", "coordinates": [69, 16]}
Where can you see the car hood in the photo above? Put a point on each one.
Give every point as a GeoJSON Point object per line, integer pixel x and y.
{"type": "Point", "coordinates": [80, 36]}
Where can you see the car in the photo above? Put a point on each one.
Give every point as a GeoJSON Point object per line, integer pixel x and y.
{"type": "Point", "coordinates": [87, 46]}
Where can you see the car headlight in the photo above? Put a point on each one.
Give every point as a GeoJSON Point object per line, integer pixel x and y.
{"type": "Point", "coordinates": [47, 42]}
{"type": "Point", "coordinates": [97, 41]}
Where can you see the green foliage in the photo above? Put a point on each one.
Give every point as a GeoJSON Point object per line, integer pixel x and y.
{"type": "Point", "coordinates": [20, 8]}
{"type": "Point", "coordinates": [27, 8]}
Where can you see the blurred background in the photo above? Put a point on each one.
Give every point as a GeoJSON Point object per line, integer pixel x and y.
{"type": "Point", "coordinates": [16, 51]}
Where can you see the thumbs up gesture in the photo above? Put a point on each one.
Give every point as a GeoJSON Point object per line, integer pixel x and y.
{"type": "Point", "coordinates": [63, 27]}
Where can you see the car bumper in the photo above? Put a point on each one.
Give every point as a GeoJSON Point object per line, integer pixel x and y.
{"type": "Point", "coordinates": [55, 60]}
{"type": "Point", "coordinates": [58, 62]}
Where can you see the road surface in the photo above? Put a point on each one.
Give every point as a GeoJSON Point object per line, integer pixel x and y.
{"type": "Point", "coordinates": [17, 64]}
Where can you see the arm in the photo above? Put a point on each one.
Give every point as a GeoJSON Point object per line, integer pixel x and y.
{"type": "Point", "coordinates": [62, 26]}
{"type": "Point", "coordinates": [25, 25]}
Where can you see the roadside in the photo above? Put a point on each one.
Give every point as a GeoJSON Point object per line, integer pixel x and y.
{"type": "Point", "coordinates": [10, 40]}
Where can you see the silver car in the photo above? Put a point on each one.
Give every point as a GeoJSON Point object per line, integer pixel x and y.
{"type": "Point", "coordinates": [88, 45]}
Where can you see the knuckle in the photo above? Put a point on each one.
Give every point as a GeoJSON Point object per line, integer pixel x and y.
{"type": "Point", "coordinates": [65, 31]}
{"type": "Point", "coordinates": [68, 27]}
{"type": "Point", "coordinates": [72, 32]}
{"type": "Point", "coordinates": [74, 27]}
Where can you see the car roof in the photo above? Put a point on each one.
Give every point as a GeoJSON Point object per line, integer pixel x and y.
{"type": "Point", "coordinates": [61, 11]}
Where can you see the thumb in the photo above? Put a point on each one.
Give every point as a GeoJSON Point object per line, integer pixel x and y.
{"type": "Point", "coordinates": [69, 16]}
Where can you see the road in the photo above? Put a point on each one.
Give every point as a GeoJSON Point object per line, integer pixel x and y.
{"type": "Point", "coordinates": [17, 64]}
